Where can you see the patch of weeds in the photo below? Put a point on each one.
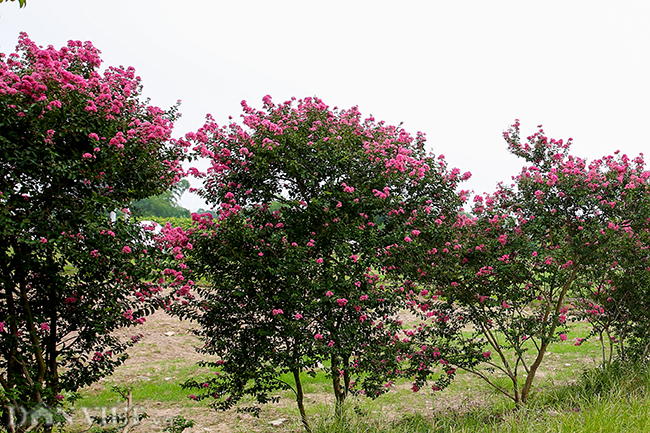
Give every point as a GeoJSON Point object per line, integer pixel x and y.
{"type": "Point", "coordinates": [178, 424]}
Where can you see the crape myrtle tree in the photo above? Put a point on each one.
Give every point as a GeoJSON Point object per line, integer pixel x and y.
{"type": "Point", "coordinates": [75, 144]}
{"type": "Point", "coordinates": [494, 296]}
{"type": "Point", "coordinates": [308, 198]}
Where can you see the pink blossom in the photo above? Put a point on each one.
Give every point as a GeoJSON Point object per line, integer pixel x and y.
{"type": "Point", "coordinates": [363, 297]}
{"type": "Point", "coordinates": [578, 341]}
{"type": "Point", "coordinates": [354, 258]}
{"type": "Point", "coordinates": [318, 337]}
{"type": "Point", "coordinates": [487, 354]}
{"type": "Point", "coordinates": [43, 240]}
{"type": "Point", "coordinates": [94, 253]}
{"type": "Point", "coordinates": [319, 261]}
{"type": "Point", "coordinates": [329, 293]}
{"type": "Point", "coordinates": [278, 311]}
{"type": "Point", "coordinates": [342, 302]}
{"type": "Point", "coordinates": [260, 254]}
{"type": "Point", "coordinates": [407, 239]}
{"type": "Point", "coordinates": [126, 249]}
{"type": "Point", "coordinates": [415, 232]}
{"type": "Point", "coordinates": [298, 316]}
{"type": "Point", "coordinates": [86, 155]}
{"type": "Point", "coordinates": [2, 326]}
{"type": "Point", "coordinates": [563, 337]}
{"type": "Point", "coordinates": [331, 343]}
{"type": "Point", "coordinates": [45, 327]}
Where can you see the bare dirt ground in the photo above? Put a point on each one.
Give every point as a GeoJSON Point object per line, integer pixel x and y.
{"type": "Point", "coordinates": [166, 340]}
{"type": "Point", "coordinates": [167, 352]}
{"type": "Point", "coordinates": [167, 346]}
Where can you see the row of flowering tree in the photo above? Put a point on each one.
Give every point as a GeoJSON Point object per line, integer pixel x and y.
{"type": "Point", "coordinates": [75, 144]}
{"type": "Point", "coordinates": [329, 226]}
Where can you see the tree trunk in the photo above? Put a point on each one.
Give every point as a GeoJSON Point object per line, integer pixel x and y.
{"type": "Point", "coordinates": [531, 373]}
{"type": "Point", "coordinates": [339, 391]}
{"type": "Point", "coordinates": [299, 401]}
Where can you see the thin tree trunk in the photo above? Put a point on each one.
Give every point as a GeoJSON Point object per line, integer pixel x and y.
{"type": "Point", "coordinates": [531, 374]}
{"type": "Point", "coordinates": [299, 401]}
{"type": "Point", "coordinates": [51, 346]}
{"type": "Point", "coordinates": [339, 392]}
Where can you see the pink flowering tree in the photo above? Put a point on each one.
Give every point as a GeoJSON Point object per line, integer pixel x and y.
{"type": "Point", "coordinates": [500, 291]}
{"type": "Point", "coordinates": [75, 144]}
{"type": "Point", "coordinates": [308, 199]}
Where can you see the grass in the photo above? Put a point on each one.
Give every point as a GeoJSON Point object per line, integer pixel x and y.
{"type": "Point", "coordinates": [157, 381]}
{"type": "Point", "coordinates": [564, 400]}
{"type": "Point", "coordinates": [611, 400]}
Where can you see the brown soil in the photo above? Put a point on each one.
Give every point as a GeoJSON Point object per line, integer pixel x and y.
{"type": "Point", "coordinates": [167, 340]}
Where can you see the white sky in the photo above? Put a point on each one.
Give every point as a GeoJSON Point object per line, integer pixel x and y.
{"type": "Point", "coordinates": [460, 71]}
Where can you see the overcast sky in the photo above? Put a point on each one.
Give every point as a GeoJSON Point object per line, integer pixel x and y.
{"type": "Point", "coordinates": [460, 71]}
